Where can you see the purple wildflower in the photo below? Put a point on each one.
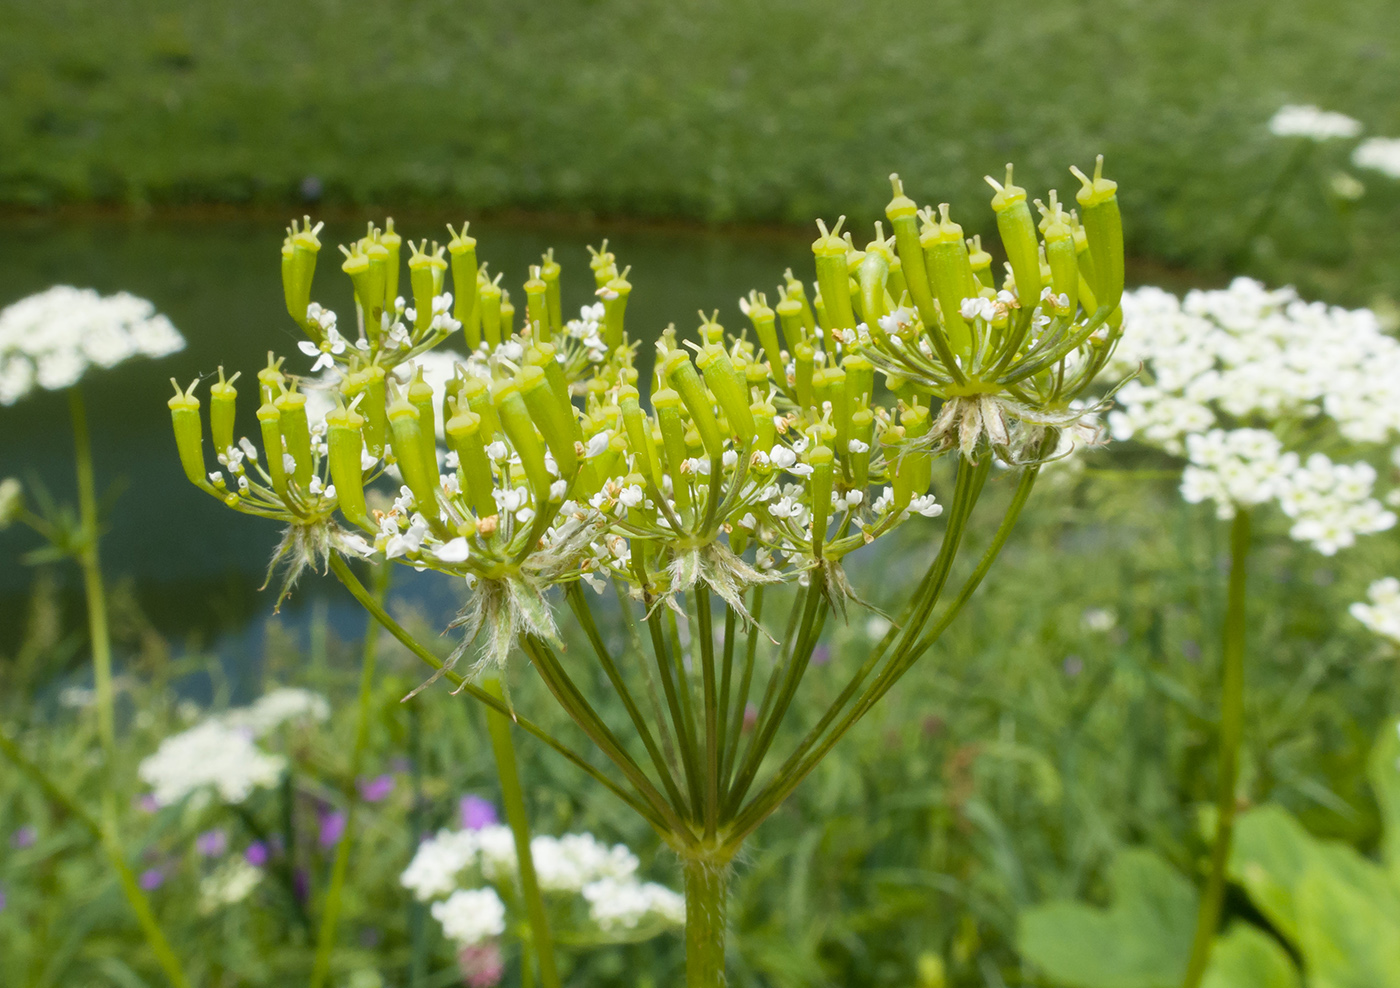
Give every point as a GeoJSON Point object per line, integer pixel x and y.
{"type": "Point", "coordinates": [332, 828]}
{"type": "Point", "coordinates": [211, 843]}
{"type": "Point", "coordinates": [24, 837]}
{"type": "Point", "coordinates": [152, 879]}
{"type": "Point", "coordinates": [477, 812]}
{"type": "Point", "coordinates": [376, 789]}
{"type": "Point", "coordinates": [256, 854]}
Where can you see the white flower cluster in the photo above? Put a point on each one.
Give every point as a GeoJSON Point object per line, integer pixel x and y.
{"type": "Point", "coordinates": [50, 339]}
{"type": "Point", "coordinates": [1313, 123]}
{"type": "Point", "coordinates": [1229, 375]}
{"type": "Point", "coordinates": [274, 709]}
{"type": "Point", "coordinates": [1379, 154]}
{"type": "Point", "coordinates": [230, 883]}
{"type": "Point", "coordinates": [1382, 613]}
{"type": "Point", "coordinates": [575, 864]}
{"type": "Point", "coordinates": [210, 755]}
{"type": "Point", "coordinates": [471, 916]}
{"type": "Point", "coordinates": [220, 752]}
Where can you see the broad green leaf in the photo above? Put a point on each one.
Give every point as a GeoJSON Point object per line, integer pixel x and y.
{"type": "Point", "coordinates": [1247, 957]}
{"type": "Point", "coordinates": [1348, 939]}
{"type": "Point", "coordinates": [1384, 772]}
{"type": "Point", "coordinates": [1271, 851]}
{"type": "Point", "coordinates": [1141, 941]}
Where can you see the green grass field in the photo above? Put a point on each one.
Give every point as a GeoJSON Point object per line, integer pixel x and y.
{"type": "Point", "coordinates": [766, 111]}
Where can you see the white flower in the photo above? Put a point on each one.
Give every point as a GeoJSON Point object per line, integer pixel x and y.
{"type": "Point", "coordinates": [227, 885]}
{"type": "Point", "coordinates": [926, 505]}
{"type": "Point", "coordinates": [53, 337]}
{"type": "Point", "coordinates": [1382, 613]}
{"type": "Point", "coordinates": [471, 916]}
{"type": "Point", "coordinates": [409, 541]}
{"type": "Point", "coordinates": [211, 755]}
{"type": "Point", "coordinates": [327, 351]}
{"type": "Point", "coordinates": [978, 307]}
{"type": "Point", "coordinates": [568, 863]}
{"type": "Point", "coordinates": [623, 905]}
{"type": "Point", "coordinates": [857, 446]}
{"type": "Point", "coordinates": [1381, 154]}
{"type": "Point", "coordinates": [782, 457]}
{"type": "Point", "coordinates": [455, 551]}
{"type": "Point", "coordinates": [630, 496]}
{"type": "Point", "coordinates": [1312, 123]}
{"type": "Point", "coordinates": [1099, 619]}
{"type": "Point", "coordinates": [439, 861]}
{"type": "Point", "coordinates": [497, 450]}
{"type": "Point", "coordinates": [276, 708]}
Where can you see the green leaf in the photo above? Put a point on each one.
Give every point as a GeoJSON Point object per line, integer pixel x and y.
{"type": "Point", "coordinates": [1247, 957]}
{"type": "Point", "coordinates": [1271, 851]}
{"type": "Point", "coordinates": [1348, 938]}
{"type": "Point", "coordinates": [1384, 772]}
{"type": "Point", "coordinates": [1141, 941]}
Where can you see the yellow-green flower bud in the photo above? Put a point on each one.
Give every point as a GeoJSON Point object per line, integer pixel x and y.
{"type": "Point", "coordinates": [462, 248]}
{"type": "Point", "coordinates": [1017, 231]}
{"type": "Point", "coordinates": [820, 459]}
{"type": "Point", "coordinates": [549, 272]}
{"type": "Point", "coordinates": [298, 267]}
{"type": "Point", "coordinates": [270, 379]}
{"type": "Point", "coordinates": [189, 433]}
{"type": "Point", "coordinates": [1060, 253]}
{"type": "Point", "coordinates": [426, 273]}
{"type": "Point", "coordinates": [634, 422]}
{"type": "Point", "coordinates": [463, 432]}
{"type": "Point", "coordinates": [980, 262]}
{"type": "Point", "coordinates": [409, 440]}
{"type": "Point", "coordinates": [680, 373]}
{"type": "Point", "coordinates": [614, 295]}
{"type": "Point", "coordinates": [860, 380]}
{"type": "Point", "coordinates": [765, 431]}
{"type": "Point", "coordinates": [789, 311]}
{"type": "Point", "coordinates": [392, 243]}
{"type": "Point", "coordinates": [296, 433]}
{"type": "Point", "coordinates": [728, 388]}
{"type": "Point", "coordinates": [950, 275]}
{"type": "Point", "coordinates": [914, 468]}
{"type": "Point", "coordinates": [269, 424]}
{"type": "Point", "coordinates": [903, 215]}
{"type": "Point", "coordinates": [378, 280]}
{"type": "Point", "coordinates": [537, 306]}
{"type": "Point", "coordinates": [863, 432]}
{"type": "Point", "coordinates": [874, 275]}
{"type": "Point", "coordinates": [476, 393]}
{"type": "Point", "coordinates": [544, 356]}
{"type": "Point", "coordinates": [375, 409]}
{"type": "Point", "coordinates": [520, 429]}
{"type": "Point", "coordinates": [798, 293]}
{"type": "Point", "coordinates": [344, 445]}
{"type": "Point", "coordinates": [489, 299]}
{"type": "Point", "coordinates": [555, 423]}
{"type": "Point", "coordinates": [803, 358]}
{"type": "Point", "coordinates": [833, 279]}
{"type": "Point", "coordinates": [420, 395]}
{"type": "Point", "coordinates": [507, 315]}
{"type": "Point", "coordinates": [357, 266]}
{"type": "Point", "coordinates": [667, 403]}
{"type": "Point", "coordinates": [897, 286]}
{"type": "Point", "coordinates": [765, 323]}
{"type": "Point", "coordinates": [223, 398]}
{"type": "Point", "coordinates": [1103, 224]}
{"type": "Point", "coordinates": [756, 374]}
{"type": "Point", "coordinates": [603, 263]}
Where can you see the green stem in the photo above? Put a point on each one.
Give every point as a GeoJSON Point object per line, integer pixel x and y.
{"type": "Point", "coordinates": [704, 630]}
{"type": "Point", "coordinates": [706, 900]}
{"type": "Point", "coordinates": [155, 937]}
{"type": "Point", "coordinates": [92, 577]}
{"type": "Point", "coordinates": [1231, 734]}
{"type": "Point", "coordinates": [513, 796]}
{"type": "Point", "coordinates": [330, 913]}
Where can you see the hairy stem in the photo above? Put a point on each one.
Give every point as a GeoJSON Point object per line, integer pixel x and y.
{"type": "Point", "coordinates": [513, 796]}
{"type": "Point", "coordinates": [1231, 734]}
{"type": "Point", "coordinates": [330, 912]}
{"type": "Point", "coordinates": [706, 906]}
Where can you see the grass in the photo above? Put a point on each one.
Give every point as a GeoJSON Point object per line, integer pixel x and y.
{"type": "Point", "coordinates": [764, 111]}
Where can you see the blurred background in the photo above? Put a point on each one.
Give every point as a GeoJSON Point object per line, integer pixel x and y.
{"type": "Point", "coordinates": [160, 148]}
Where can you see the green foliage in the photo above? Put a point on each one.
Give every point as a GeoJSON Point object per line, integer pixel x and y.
{"type": "Point", "coordinates": [1139, 941]}
{"type": "Point", "coordinates": [1247, 957]}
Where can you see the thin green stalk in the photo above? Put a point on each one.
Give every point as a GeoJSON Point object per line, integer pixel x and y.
{"type": "Point", "coordinates": [704, 630]}
{"type": "Point", "coordinates": [726, 685]}
{"type": "Point", "coordinates": [417, 911]}
{"type": "Point", "coordinates": [347, 577]}
{"type": "Point", "coordinates": [513, 796]}
{"type": "Point", "coordinates": [330, 911]}
{"type": "Point", "coordinates": [736, 726]}
{"type": "Point", "coordinates": [92, 578]}
{"type": "Point", "coordinates": [661, 653]}
{"type": "Point", "coordinates": [634, 637]}
{"type": "Point", "coordinates": [1231, 735]}
{"type": "Point", "coordinates": [706, 901]}
{"type": "Point", "coordinates": [590, 628]}
{"type": "Point", "coordinates": [155, 937]}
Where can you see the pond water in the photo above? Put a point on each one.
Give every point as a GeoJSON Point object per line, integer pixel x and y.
{"type": "Point", "coordinates": [195, 566]}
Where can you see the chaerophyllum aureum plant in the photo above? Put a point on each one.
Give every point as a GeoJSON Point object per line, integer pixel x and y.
{"type": "Point", "coordinates": [538, 464]}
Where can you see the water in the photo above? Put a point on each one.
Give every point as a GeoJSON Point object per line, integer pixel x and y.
{"type": "Point", "coordinates": [195, 566]}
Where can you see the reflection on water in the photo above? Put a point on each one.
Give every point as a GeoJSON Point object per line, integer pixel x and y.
{"type": "Point", "coordinates": [195, 565]}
